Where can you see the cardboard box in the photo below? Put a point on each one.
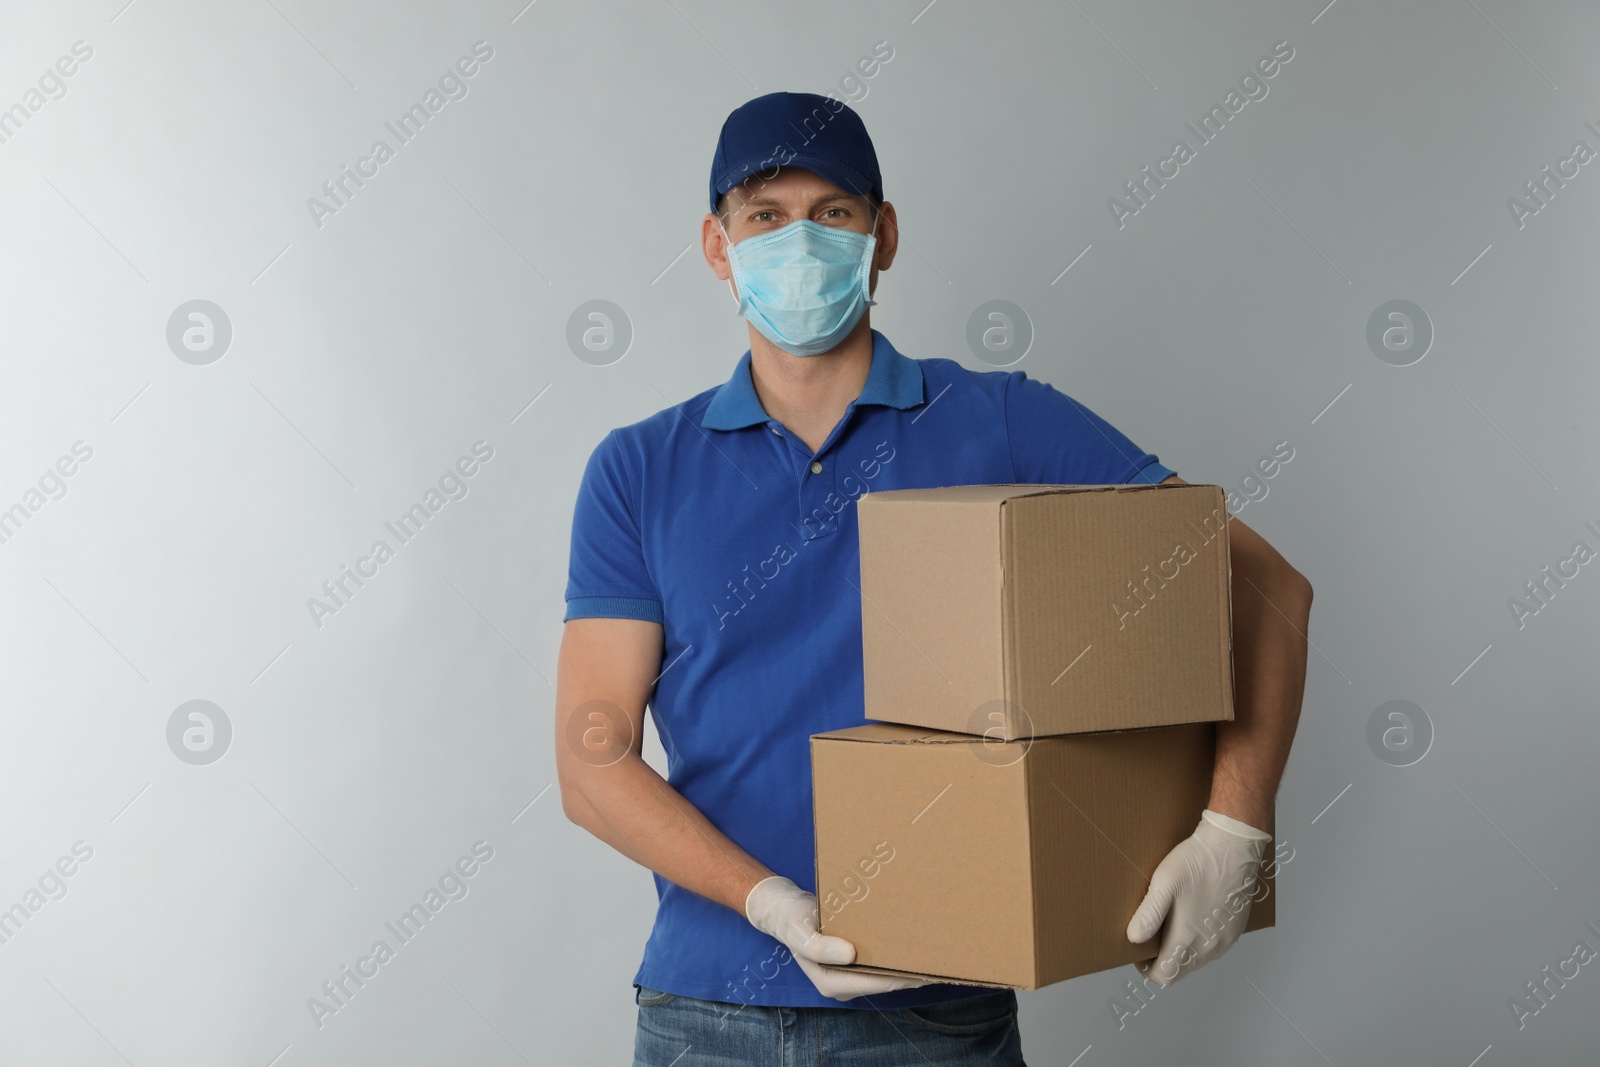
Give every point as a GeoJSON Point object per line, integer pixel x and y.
{"type": "Point", "coordinates": [1004, 863]}
{"type": "Point", "coordinates": [1030, 610]}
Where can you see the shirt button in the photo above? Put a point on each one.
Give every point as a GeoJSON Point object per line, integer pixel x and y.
{"type": "Point", "coordinates": [816, 468]}
{"type": "Point", "coordinates": [777, 431]}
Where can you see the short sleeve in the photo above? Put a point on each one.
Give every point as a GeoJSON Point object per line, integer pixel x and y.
{"type": "Point", "coordinates": [1054, 439]}
{"type": "Point", "coordinates": [606, 572]}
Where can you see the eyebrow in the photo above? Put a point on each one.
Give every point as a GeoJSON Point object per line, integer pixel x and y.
{"type": "Point", "coordinates": [767, 201]}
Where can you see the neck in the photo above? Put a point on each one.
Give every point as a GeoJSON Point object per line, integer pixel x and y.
{"type": "Point", "coordinates": [808, 394]}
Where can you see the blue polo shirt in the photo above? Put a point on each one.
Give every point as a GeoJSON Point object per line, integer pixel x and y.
{"type": "Point", "coordinates": [714, 520]}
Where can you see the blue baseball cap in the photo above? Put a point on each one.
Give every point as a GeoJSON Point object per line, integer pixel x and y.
{"type": "Point", "coordinates": [819, 133]}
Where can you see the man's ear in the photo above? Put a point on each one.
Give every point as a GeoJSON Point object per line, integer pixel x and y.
{"type": "Point", "coordinates": [888, 237]}
{"type": "Point", "coordinates": [714, 246]}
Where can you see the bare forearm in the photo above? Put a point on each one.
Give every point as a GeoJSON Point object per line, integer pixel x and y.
{"type": "Point", "coordinates": [1271, 608]}
{"type": "Point", "coordinates": [632, 808]}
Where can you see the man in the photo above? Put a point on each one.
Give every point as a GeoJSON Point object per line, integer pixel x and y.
{"type": "Point", "coordinates": [714, 575]}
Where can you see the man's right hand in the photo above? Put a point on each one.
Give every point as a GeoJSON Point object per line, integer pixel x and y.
{"type": "Point", "coordinates": [778, 907]}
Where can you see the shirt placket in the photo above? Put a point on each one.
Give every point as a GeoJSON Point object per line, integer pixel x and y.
{"type": "Point", "coordinates": [815, 480]}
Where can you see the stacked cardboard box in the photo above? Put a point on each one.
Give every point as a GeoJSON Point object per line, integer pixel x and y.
{"type": "Point", "coordinates": [1043, 668]}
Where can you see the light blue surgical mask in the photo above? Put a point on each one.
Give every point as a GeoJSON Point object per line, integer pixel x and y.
{"type": "Point", "coordinates": [804, 286]}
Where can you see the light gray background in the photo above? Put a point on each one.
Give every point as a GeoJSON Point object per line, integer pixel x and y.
{"type": "Point", "coordinates": [431, 311]}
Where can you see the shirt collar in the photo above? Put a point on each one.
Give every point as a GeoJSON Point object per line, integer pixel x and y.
{"type": "Point", "coordinates": [893, 380]}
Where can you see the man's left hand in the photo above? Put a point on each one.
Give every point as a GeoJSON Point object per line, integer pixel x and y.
{"type": "Point", "coordinates": [1203, 891]}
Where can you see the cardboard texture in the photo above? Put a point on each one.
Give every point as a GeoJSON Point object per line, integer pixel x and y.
{"type": "Point", "coordinates": [1020, 863]}
{"type": "Point", "coordinates": [1032, 610]}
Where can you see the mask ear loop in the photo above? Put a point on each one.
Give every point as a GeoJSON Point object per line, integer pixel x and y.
{"type": "Point", "coordinates": [866, 281]}
{"type": "Point", "coordinates": [729, 242]}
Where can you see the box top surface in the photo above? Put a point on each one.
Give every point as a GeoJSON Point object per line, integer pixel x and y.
{"type": "Point", "coordinates": [1000, 493]}
{"type": "Point", "coordinates": [896, 734]}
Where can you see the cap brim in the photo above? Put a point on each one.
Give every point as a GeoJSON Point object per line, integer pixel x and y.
{"type": "Point", "coordinates": [832, 170]}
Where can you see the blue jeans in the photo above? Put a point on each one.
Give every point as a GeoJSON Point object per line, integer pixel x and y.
{"type": "Point", "coordinates": [679, 1031]}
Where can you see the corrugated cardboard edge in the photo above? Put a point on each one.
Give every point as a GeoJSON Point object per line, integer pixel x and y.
{"type": "Point", "coordinates": [863, 969]}
{"type": "Point", "coordinates": [885, 735]}
{"type": "Point", "coordinates": [1024, 489]}
{"type": "Point", "coordinates": [1119, 487]}
{"type": "Point", "coordinates": [1227, 599]}
{"type": "Point", "coordinates": [1028, 770]}
{"type": "Point", "coordinates": [1008, 607]}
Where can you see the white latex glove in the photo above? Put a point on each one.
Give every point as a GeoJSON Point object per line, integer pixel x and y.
{"type": "Point", "coordinates": [1203, 891]}
{"type": "Point", "coordinates": [778, 907]}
